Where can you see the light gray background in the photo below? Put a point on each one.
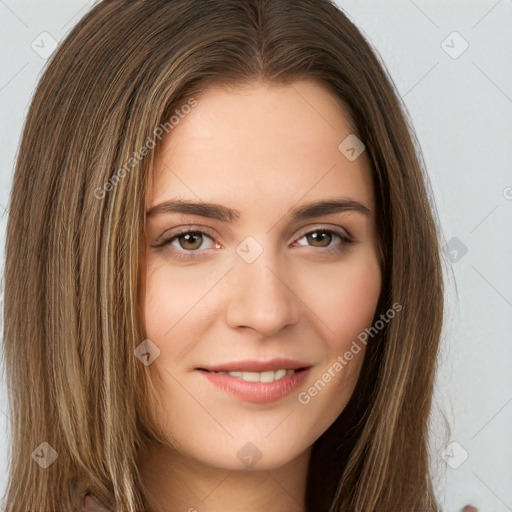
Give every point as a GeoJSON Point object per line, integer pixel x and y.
{"type": "Point", "coordinates": [460, 104]}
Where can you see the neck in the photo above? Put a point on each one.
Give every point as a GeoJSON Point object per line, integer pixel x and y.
{"type": "Point", "coordinates": [176, 483]}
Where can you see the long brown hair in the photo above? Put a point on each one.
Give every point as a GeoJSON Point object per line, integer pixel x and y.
{"type": "Point", "coordinates": [75, 249]}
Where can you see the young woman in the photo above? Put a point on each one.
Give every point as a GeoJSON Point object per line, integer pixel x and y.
{"type": "Point", "coordinates": [223, 288]}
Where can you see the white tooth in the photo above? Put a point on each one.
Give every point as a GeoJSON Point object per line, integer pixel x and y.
{"type": "Point", "coordinates": [251, 376]}
{"type": "Point", "coordinates": [267, 376]}
{"type": "Point", "coordinates": [280, 374]}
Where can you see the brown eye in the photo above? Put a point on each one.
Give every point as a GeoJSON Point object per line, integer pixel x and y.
{"type": "Point", "coordinates": [319, 238]}
{"type": "Point", "coordinates": [326, 239]}
{"type": "Point", "coordinates": [187, 243]}
{"type": "Point", "coordinates": [190, 241]}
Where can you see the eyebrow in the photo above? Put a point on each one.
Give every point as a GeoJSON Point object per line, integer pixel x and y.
{"type": "Point", "coordinates": [225, 214]}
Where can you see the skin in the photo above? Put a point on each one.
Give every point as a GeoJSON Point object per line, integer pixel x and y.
{"type": "Point", "coordinates": [263, 150]}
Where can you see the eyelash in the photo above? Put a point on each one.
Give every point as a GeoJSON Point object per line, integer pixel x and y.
{"type": "Point", "coordinates": [189, 255]}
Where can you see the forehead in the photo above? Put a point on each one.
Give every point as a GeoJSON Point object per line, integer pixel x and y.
{"type": "Point", "coordinates": [273, 143]}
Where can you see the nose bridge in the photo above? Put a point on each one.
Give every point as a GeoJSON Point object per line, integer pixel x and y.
{"type": "Point", "coordinates": [260, 296]}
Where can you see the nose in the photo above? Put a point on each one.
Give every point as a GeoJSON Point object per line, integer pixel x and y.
{"type": "Point", "coordinates": [261, 297]}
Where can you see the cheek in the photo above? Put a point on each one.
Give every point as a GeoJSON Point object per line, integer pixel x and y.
{"type": "Point", "coordinates": [343, 297]}
{"type": "Point", "coordinates": [343, 303]}
{"type": "Point", "coordinates": [175, 308]}
{"type": "Point", "coordinates": [344, 306]}
{"type": "Point", "coordinates": [358, 297]}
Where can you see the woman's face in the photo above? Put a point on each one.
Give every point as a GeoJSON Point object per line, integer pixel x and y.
{"type": "Point", "coordinates": [263, 283]}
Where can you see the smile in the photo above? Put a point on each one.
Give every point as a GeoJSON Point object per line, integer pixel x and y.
{"type": "Point", "coordinates": [257, 387]}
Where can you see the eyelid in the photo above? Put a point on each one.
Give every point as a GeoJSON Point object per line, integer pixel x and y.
{"type": "Point", "coordinates": [181, 230]}
{"type": "Point", "coordinates": [341, 231]}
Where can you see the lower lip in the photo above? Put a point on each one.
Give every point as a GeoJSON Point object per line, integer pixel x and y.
{"type": "Point", "coordinates": [257, 392]}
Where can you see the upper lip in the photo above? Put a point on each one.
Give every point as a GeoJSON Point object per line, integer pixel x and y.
{"type": "Point", "coordinates": [255, 365]}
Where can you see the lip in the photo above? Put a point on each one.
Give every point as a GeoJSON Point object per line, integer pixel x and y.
{"type": "Point", "coordinates": [256, 392]}
{"type": "Point", "coordinates": [255, 365]}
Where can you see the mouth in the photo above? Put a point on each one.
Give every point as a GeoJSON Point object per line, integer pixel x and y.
{"type": "Point", "coordinates": [257, 381]}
